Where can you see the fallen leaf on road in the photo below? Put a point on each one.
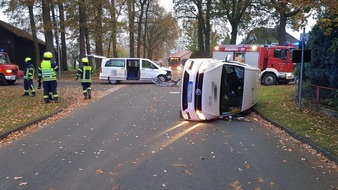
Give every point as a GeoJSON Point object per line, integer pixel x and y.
{"type": "Point", "coordinates": [260, 180]}
{"type": "Point", "coordinates": [187, 172]}
{"type": "Point", "coordinates": [235, 185]}
{"type": "Point", "coordinates": [179, 165]}
{"type": "Point", "coordinates": [23, 183]}
{"type": "Point", "coordinates": [99, 171]}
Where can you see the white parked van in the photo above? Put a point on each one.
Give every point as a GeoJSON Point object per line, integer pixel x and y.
{"type": "Point", "coordinates": [213, 88]}
{"type": "Point", "coordinates": [119, 69]}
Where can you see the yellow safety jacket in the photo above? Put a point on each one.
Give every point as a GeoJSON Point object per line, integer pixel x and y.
{"type": "Point", "coordinates": [46, 71]}
{"type": "Point", "coordinates": [85, 73]}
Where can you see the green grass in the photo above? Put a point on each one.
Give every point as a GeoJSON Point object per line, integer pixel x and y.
{"type": "Point", "coordinates": [277, 103]}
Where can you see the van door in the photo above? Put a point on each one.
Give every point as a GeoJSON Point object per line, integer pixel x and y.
{"type": "Point", "coordinates": [116, 69]}
{"type": "Point", "coordinates": [149, 70]}
{"type": "Point", "coordinates": [231, 93]}
{"type": "Point", "coordinates": [133, 69]}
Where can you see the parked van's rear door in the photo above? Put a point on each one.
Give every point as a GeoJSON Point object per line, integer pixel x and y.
{"type": "Point", "coordinates": [148, 70]}
{"type": "Point", "coordinates": [115, 68]}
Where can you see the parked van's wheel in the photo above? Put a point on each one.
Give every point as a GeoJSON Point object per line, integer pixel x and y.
{"type": "Point", "coordinates": [162, 78]}
{"type": "Point", "coordinates": [113, 81]}
{"type": "Point", "coordinates": [269, 79]}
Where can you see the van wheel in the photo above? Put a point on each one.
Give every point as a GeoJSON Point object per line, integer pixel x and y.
{"type": "Point", "coordinates": [269, 79]}
{"type": "Point", "coordinates": [162, 78]}
{"type": "Point", "coordinates": [113, 81]}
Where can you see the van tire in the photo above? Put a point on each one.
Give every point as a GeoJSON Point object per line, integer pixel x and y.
{"type": "Point", "coordinates": [269, 79]}
{"type": "Point", "coordinates": [162, 78]}
{"type": "Point", "coordinates": [113, 81]}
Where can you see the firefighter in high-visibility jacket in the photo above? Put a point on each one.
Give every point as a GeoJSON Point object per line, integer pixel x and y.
{"type": "Point", "coordinates": [47, 72]}
{"type": "Point", "coordinates": [85, 73]}
{"type": "Point", "coordinates": [28, 77]}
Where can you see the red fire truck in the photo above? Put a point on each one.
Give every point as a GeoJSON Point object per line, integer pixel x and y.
{"type": "Point", "coordinates": [274, 61]}
{"type": "Point", "coordinates": [8, 72]}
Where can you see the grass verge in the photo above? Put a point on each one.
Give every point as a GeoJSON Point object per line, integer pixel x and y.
{"type": "Point", "coordinates": [16, 110]}
{"type": "Point", "coordinates": [277, 103]}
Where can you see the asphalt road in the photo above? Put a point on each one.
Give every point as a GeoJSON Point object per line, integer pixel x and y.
{"type": "Point", "coordinates": [133, 138]}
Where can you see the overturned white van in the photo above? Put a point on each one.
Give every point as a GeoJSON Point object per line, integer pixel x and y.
{"type": "Point", "coordinates": [214, 88]}
{"type": "Point", "coordinates": [115, 70]}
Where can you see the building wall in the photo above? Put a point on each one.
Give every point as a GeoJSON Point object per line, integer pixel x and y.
{"type": "Point", "coordinates": [18, 48]}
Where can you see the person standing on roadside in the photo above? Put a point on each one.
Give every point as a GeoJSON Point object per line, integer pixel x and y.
{"type": "Point", "coordinates": [28, 77]}
{"type": "Point", "coordinates": [85, 73]}
{"type": "Point", "coordinates": [47, 72]}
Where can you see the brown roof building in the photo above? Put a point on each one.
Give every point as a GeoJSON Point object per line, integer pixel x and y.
{"type": "Point", "coordinates": [18, 44]}
{"type": "Point", "coordinates": [265, 36]}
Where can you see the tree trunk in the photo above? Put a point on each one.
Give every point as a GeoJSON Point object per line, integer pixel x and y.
{"type": "Point", "coordinates": [87, 41]}
{"type": "Point", "coordinates": [207, 29]}
{"type": "Point", "coordinates": [139, 27]}
{"type": "Point", "coordinates": [47, 25]}
{"type": "Point", "coordinates": [200, 33]}
{"type": "Point", "coordinates": [145, 48]}
{"type": "Point", "coordinates": [234, 31]}
{"type": "Point", "coordinates": [56, 29]}
{"type": "Point", "coordinates": [131, 16]}
{"type": "Point", "coordinates": [114, 28]}
{"type": "Point", "coordinates": [82, 22]}
{"type": "Point", "coordinates": [98, 35]}
{"type": "Point", "coordinates": [63, 38]}
{"type": "Point", "coordinates": [35, 39]}
{"type": "Point", "coordinates": [281, 29]}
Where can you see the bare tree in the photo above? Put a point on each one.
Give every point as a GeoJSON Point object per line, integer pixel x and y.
{"type": "Point", "coordinates": [200, 10]}
{"type": "Point", "coordinates": [236, 11]}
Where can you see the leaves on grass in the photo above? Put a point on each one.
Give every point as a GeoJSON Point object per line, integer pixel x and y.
{"type": "Point", "coordinates": [277, 103]}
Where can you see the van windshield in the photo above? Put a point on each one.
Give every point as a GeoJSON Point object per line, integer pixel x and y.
{"type": "Point", "coordinates": [231, 94]}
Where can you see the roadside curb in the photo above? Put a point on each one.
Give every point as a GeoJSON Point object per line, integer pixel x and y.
{"type": "Point", "coordinates": [29, 123]}
{"type": "Point", "coordinates": [298, 137]}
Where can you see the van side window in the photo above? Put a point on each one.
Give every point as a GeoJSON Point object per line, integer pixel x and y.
{"type": "Point", "coordinates": [133, 63]}
{"type": "Point", "coordinates": [148, 65]}
{"type": "Point", "coordinates": [115, 63]}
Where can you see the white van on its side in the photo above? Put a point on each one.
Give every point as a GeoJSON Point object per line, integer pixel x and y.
{"type": "Point", "coordinates": [213, 88]}
{"type": "Point", "coordinates": [119, 69]}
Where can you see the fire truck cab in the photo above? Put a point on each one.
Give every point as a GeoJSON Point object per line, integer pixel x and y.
{"type": "Point", "coordinates": [274, 61]}
{"type": "Point", "coordinates": [8, 71]}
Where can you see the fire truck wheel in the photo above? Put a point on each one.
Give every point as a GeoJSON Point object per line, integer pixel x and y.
{"type": "Point", "coordinates": [10, 82]}
{"type": "Point", "coordinates": [2, 80]}
{"type": "Point", "coordinates": [269, 79]}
